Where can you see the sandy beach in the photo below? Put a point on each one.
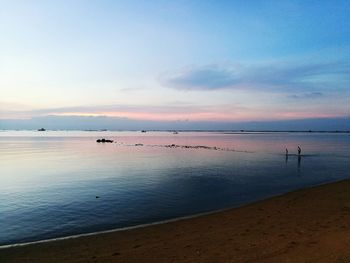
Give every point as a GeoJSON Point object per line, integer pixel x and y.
{"type": "Point", "coordinates": [311, 225]}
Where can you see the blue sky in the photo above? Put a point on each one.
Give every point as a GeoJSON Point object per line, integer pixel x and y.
{"type": "Point", "coordinates": [212, 61]}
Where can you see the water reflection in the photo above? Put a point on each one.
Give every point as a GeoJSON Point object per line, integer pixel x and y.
{"type": "Point", "coordinates": [299, 164]}
{"type": "Point", "coordinates": [49, 184]}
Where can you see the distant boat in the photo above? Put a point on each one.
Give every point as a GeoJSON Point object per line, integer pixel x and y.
{"type": "Point", "coordinates": [143, 131]}
{"type": "Point", "coordinates": [41, 129]}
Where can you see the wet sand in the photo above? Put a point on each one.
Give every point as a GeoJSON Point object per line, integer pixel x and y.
{"type": "Point", "coordinates": [311, 225]}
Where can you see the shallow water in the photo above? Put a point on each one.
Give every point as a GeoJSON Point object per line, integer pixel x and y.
{"type": "Point", "coordinates": [49, 180]}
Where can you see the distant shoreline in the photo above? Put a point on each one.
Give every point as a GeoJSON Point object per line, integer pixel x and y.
{"type": "Point", "coordinates": [221, 131]}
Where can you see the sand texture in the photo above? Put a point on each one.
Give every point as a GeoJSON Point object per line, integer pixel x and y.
{"type": "Point", "coordinates": [311, 225]}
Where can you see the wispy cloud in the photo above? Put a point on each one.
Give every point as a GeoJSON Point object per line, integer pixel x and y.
{"type": "Point", "coordinates": [278, 76]}
{"type": "Point", "coordinates": [310, 95]}
{"type": "Point", "coordinates": [223, 112]}
{"type": "Point", "coordinates": [144, 112]}
{"type": "Point", "coordinates": [205, 78]}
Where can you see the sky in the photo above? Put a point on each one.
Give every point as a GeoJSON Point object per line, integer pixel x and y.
{"type": "Point", "coordinates": [150, 62]}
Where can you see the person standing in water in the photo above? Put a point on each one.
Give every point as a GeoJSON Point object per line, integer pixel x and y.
{"type": "Point", "coordinates": [286, 151]}
{"type": "Point", "coordinates": [299, 150]}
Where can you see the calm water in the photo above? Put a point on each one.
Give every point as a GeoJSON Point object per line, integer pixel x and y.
{"type": "Point", "coordinates": [49, 180]}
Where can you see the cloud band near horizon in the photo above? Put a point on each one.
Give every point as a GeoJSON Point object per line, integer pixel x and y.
{"type": "Point", "coordinates": [283, 77]}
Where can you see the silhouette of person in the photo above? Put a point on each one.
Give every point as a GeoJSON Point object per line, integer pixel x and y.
{"type": "Point", "coordinates": [299, 150]}
{"type": "Point", "coordinates": [286, 151]}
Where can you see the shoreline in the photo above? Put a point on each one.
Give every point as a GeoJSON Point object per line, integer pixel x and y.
{"type": "Point", "coordinates": [22, 244]}
{"type": "Point", "coordinates": [166, 221]}
{"type": "Point", "coordinates": [314, 222]}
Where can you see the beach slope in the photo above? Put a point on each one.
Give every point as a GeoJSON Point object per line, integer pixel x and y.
{"type": "Point", "coordinates": [311, 225]}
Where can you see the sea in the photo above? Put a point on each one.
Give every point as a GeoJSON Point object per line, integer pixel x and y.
{"type": "Point", "coordinates": [61, 183]}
